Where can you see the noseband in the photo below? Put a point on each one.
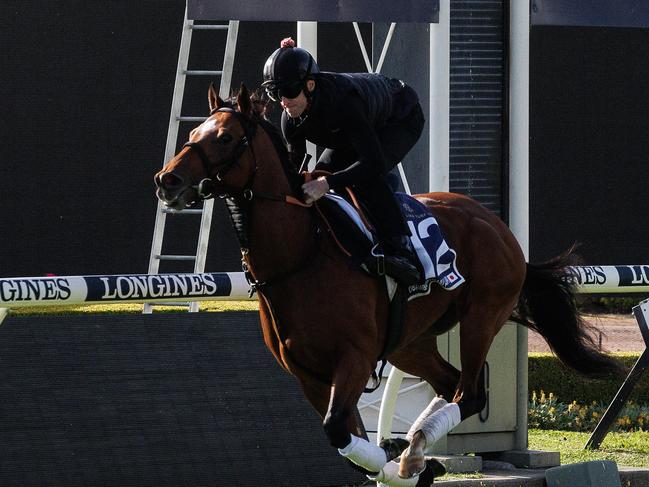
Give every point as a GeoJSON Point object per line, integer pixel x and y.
{"type": "Point", "coordinates": [206, 186]}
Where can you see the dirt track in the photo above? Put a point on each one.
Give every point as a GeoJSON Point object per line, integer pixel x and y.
{"type": "Point", "coordinates": [616, 333]}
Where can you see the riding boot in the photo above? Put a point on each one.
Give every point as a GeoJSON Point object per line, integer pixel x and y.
{"type": "Point", "coordinates": [395, 257]}
{"type": "Point", "coordinates": [400, 260]}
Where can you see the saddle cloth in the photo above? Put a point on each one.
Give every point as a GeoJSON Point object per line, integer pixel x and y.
{"type": "Point", "coordinates": [437, 259]}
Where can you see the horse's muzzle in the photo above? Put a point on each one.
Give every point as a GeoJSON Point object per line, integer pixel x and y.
{"type": "Point", "coordinates": [168, 181]}
{"type": "Point", "coordinates": [173, 190]}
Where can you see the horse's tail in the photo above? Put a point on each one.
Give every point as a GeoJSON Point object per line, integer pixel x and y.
{"type": "Point", "coordinates": [548, 306]}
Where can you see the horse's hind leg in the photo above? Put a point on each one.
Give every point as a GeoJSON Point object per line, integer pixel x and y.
{"type": "Point", "coordinates": [423, 359]}
{"type": "Point", "coordinates": [477, 330]}
{"type": "Point", "coordinates": [478, 327]}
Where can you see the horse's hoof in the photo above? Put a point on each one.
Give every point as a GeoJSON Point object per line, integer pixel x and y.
{"type": "Point", "coordinates": [394, 447]}
{"type": "Point", "coordinates": [436, 467]}
{"type": "Point", "coordinates": [426, 478]}
{"type": "Point", "coordinates": [412, 463]}
{"type": "Point", "coordinates": [433, 470]}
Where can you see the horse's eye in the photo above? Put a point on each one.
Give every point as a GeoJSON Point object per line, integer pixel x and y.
{"type": "Point", "coordinates": [225, 139]}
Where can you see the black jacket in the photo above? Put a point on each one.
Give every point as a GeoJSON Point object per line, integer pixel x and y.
{"type": "Point", "coordinates": [346, 112]}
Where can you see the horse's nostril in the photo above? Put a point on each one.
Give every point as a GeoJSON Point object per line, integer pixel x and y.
{"type": "Point", "coordinates": [169, 180]}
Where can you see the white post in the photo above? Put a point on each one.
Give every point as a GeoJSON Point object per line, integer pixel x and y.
{"type": "Point", "coordinates": [438, 115]}
{"type": "Point", "coordinates": [307, 38]}
{"type": "Point", "coordinates": [519, 34]}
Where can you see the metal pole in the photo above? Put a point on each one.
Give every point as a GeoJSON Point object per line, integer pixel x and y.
{"type": "Point", "coordinates": [641, 313]}
{"type": "Point", "coordinates": [519, 35]}
{"type": "Point", "coordinates": [307, 38]}
{"type": "Point", "coordinates": [439, 111]}
{"type": "Point", "coordinates": [618, 402]}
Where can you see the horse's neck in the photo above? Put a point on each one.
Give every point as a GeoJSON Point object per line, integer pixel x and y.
{"type": "Point", "coordinates": [280, 233]}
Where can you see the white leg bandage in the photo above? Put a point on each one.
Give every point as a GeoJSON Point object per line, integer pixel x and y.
{"type": "Point", "coordinates": [365, 454]}
{"type": "Point", "coordinates": [435, 405]}
{"type": "Point", "coordinates": [437, 419]}
{"type": "Point", "coordinates": [390, 475]}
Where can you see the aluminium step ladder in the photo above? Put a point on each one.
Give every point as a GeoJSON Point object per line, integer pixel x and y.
{"type": "Point", "coordinates": [175, 119]}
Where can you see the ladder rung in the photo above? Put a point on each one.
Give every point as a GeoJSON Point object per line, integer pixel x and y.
{"type": "Point", "coordinates": [176, 257]}
{"type": "Point", "coordinates": [191, 119]}
{"type": "Point", "coordinates": [210, 27]}
{"type": "Point", "coordinates": [186, 211]}
{"type": "Point", "coordinates": [200, 72]}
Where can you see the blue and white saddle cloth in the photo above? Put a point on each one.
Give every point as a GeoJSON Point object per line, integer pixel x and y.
{"type": "Point", "coordinates": [436, 257]}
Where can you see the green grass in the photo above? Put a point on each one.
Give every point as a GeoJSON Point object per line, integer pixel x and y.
{"type": "Point", "coordinates": [630, 449]}
{"type": "Point", "coordinates": [625, 449]}
{"type": "Point", "coordinates": [455, 476]}
{"type": "Point", "coordinates": [118, 308]}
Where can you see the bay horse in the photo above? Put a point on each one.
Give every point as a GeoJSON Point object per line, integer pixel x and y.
{"type": "Point", "coordinates": [325, 322]}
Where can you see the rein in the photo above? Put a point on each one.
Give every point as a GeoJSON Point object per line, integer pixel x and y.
{"type": "Point", "coordinates": [206, 188]}
{"type": "Point", "coordinates": [238, 199]}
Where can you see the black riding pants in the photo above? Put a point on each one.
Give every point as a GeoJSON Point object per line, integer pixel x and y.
{"type": "Point", "coordinates": [397, 138]}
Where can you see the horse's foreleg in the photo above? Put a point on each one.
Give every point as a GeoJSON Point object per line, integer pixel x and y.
{"type": "Point", "coordinates": [349, 380]}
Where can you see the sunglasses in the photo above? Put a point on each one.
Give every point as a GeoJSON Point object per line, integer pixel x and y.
{"type": "Point", "coordinates": [292, 90]}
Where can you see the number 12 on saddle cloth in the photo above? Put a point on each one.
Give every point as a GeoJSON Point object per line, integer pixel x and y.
{"type": "Point", "coordinates": [437, 259]}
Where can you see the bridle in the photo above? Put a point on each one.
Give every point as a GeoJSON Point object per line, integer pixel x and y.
{"type": "Point", "coordinates": [206, 187]}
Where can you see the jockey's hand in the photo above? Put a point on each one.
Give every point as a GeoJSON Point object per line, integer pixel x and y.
{"type": "Point", "coordinates": [316, 189]}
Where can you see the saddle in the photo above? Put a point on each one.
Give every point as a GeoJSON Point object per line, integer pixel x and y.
{"type": "Point", "coordinates": [344, 218]}
{"type": "Point", "coordinates": [349, 229]}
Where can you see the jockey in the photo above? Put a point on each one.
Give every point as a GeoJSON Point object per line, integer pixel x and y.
{"type": "Point", "coordinates": [366, 122]}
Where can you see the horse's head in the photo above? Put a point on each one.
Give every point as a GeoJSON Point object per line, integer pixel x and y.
{"type": "Point", "coordinates": [216, 160]}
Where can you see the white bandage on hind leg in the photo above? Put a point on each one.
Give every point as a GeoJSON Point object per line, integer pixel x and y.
{"type": "Point", "coordinates": [390, 475]}
{"type": "Point", "coordinates": [365, 454]}
{"type": "Point", "coordinates": [435, 405]}
{"type": "Point", "coordinates": [437, 424]}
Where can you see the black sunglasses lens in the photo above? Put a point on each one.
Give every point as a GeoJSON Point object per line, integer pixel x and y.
{"type": "Point", "coordinates": [290, 91]}
{"type": "Point", "coordinates": [276, 93]}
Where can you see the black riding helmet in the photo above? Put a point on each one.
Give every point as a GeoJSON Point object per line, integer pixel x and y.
{"type": "Point", "coordinates": [287, 70]}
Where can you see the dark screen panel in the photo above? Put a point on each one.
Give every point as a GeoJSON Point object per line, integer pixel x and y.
{"type": "Point", "coordinates": [592, 13]}
{"type": "Point", "coordinates": [155, 400]}
{"type": "Point", "coordinates": [315, 10]}
{"type": "Point", "coordinates": [477, 101]}
{"type": "Point", "coordinates": [589, 143]}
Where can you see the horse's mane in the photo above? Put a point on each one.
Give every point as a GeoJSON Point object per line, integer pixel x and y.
{"type": "Point", "coordinates": [258, 117]}
{"type": "Point", "coordinates": [260, 108]}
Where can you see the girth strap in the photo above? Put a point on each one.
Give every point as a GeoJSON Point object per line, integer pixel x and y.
{"type": "Point", "coordinates": [396, 316]}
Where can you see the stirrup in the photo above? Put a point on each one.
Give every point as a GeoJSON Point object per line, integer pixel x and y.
{"type": "Point", "coordinates": [402, 270]}
{"type": "Point", "coordinates": [379, 257]}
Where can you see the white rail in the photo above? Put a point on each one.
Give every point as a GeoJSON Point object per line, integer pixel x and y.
{"type": "Point", "coordinates": [607, 279]}
{"type": "Point", "coordinates": [61, 290]}
{"type": "Point", "coordinates": [74, 290]}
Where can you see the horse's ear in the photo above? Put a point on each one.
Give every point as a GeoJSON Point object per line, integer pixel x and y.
{"type": "Point", "coordinates": [243, 101]}
{"type": "Point", "coordinates": [213, 98]}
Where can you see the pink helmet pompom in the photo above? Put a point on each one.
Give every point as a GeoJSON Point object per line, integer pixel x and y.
{"type": "Point", "coordinates": [287, 42]}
